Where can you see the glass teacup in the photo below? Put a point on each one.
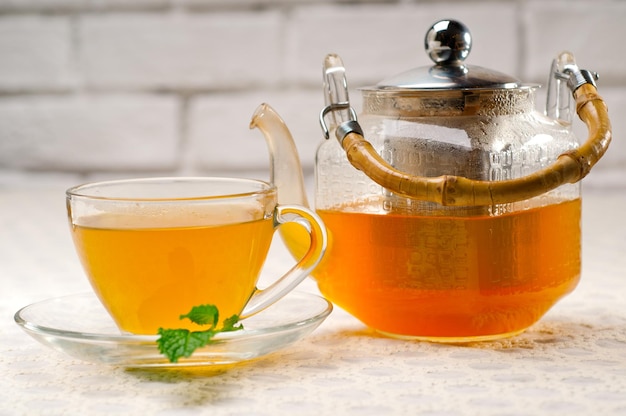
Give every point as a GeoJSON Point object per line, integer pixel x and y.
{"type": "Point", "coordinates": [154, 248]}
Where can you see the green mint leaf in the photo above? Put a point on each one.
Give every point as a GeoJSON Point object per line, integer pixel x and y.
{"type": "Point", "coordinates": [230, 324]}
{"type": "Point", "coordinates": [177, 343]}
{"type": "Point", "coordinates": [203, 315]}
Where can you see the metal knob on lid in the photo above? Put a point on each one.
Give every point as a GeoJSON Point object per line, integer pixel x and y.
{"type": "Point", "coordinates": [448, 42]}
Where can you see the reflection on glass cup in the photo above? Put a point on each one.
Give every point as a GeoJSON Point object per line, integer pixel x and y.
{"type": "Point", "coordinates": [154, 248]}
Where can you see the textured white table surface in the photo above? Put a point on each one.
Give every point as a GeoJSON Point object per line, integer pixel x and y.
{"type": "Point", "coordinates": [573, 362]}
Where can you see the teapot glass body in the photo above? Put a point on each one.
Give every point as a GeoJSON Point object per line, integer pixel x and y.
{"type": "Point", "coordinates": [419, 269]}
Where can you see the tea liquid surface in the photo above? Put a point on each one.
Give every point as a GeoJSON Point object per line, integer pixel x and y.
{"type": "Point", "coordinates": [147, 277]}
{"type": "Point", "coordinates": [451, 277]}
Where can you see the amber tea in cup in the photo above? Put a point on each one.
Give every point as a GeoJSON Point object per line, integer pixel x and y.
{"type": "Point", "coordinates": [154, 248]}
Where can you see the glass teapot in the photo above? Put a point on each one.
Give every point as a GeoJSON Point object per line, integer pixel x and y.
{"type": "Point", "coordinates": [453, 207]}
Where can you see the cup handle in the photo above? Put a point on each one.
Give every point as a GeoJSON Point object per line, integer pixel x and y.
{"type": "Point", "coordinates": [283, 214]}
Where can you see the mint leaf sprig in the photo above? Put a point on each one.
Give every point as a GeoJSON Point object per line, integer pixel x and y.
{"type": "Point", "coordinates": [177, 343]}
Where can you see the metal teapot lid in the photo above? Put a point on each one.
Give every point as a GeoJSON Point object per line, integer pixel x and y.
{"type": "Point", "coordinates": [448, 44]}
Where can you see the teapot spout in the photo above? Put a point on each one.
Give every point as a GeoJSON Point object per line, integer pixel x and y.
{"type": "Point", "coordinates": [285, 167]}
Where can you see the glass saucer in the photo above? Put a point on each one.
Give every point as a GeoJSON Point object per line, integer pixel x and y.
{"type": "Point", "coordinates": [79, 325]}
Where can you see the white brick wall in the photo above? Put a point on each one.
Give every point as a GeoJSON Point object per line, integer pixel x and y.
{"type": "Point", "coordinates": [143, 87]}
{"type": "Point", "coordinates": [89, 132]}
{"type": "Point", "coordinates": [177, 51]}
{"type": "Point", "coordinates": [35, 53]}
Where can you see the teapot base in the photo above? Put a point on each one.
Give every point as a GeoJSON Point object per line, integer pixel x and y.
{"type": "Point", "coordinates": [452, 340]}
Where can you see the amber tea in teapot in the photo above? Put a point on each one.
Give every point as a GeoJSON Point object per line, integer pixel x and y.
{"type": "Point", "coordinates": [451, 276]}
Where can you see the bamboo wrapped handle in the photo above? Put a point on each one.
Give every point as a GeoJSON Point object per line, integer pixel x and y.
{"type": "Point", "coordinates": [570, 167]}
